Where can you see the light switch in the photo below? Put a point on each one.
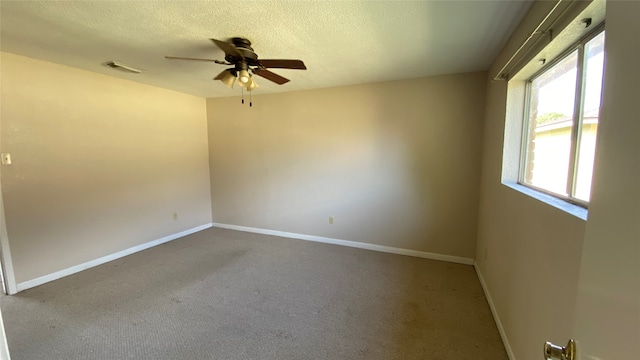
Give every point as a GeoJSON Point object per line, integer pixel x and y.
{"type": "Point", "coordinates": [6, 159]}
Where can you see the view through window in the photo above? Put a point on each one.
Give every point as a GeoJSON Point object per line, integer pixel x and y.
{"type": "Point", "coordinates": [562, 122]}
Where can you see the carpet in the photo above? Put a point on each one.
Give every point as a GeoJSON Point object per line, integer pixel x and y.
{"type": "Point", "coordinates": [224, 294]}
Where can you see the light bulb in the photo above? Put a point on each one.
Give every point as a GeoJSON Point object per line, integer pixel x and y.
{"type": "Point", "coordinates": [243, 77]}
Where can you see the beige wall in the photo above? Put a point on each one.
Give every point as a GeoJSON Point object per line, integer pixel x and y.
{"type": "Point", "coordinates": [529, 252]}
{"type": "Point", "coordinates": [99, 164]}
{"type": "Point", "coordinates": [608, 306]}
{"type": "Point", "coordinates": [395, 163]}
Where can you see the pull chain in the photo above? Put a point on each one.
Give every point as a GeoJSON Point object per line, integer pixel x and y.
{"type": "Point", "coordinates": [242, 94]}
{"type": "Point", "coordinates": [250, 104]}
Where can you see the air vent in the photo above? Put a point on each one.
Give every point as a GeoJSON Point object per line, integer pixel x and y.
{"type": "Point", "coordinates": [122, 67]}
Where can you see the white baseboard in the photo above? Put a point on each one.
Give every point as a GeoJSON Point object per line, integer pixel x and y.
{"type": "Point", "coordinates": [355, 244]}
{"type": "Point", "coordinates": [503, 334]}
{"type": "Point", "coordinates": [89, 264]}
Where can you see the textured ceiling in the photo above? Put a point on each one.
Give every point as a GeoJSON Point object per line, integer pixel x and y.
{"type": "Point", "coordinates": [341, 42]}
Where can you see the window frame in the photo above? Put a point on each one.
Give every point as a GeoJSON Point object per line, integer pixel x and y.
{"type": "Point", "coordinates": [577, 117]}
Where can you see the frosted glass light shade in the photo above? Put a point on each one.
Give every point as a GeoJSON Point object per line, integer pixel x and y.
{"type": "Point", "coordinates": [229, 80]}
{"type": "Point", "coordinates": [252, 85]}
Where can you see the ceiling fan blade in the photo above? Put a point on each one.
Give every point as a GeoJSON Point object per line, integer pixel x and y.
{"type": "Point", "coordinates": [221, 75]}
{"type": "Point", "coordinates": [271, 76]}
{"type": "Point", "coordinates": [283, 64]}
{"type": "Point", "coordinates": [228, 48]}
{"type": "Point", "coordinates": [194, 59]}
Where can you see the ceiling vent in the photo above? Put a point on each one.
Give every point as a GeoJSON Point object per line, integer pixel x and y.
{"type": "Point", "coordinates": [122, 67]}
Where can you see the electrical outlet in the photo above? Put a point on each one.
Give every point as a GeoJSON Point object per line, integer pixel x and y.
{"type": "Point", "coordinates": [330, 219]}
{"type": "Point", "coordinates": [6, 159]}
{"type": "Point", "coordinates": [175, 216]}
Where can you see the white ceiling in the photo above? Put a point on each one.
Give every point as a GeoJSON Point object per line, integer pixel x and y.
{"type": "Point", "coordinates": [341, 42]}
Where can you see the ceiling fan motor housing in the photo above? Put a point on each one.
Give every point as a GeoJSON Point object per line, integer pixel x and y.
{"type": "Point", "coordinates": [244, 48]}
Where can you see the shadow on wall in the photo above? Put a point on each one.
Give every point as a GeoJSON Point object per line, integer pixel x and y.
{"type": "Point", "coordinates": [430, 143]}
{"type": "Point", "coordinates": [100, 164]}
{"type": "Point", "coordinates": [395, 164]}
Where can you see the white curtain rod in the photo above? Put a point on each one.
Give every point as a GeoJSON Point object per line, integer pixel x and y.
{"type": "Point", "coordinates": [501, 75]}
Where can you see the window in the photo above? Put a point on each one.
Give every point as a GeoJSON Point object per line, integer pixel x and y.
{"type": "Point", "coordinates": [561, 122]}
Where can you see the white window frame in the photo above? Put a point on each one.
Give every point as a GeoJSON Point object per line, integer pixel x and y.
{"type": "Point", "coordinates": [577, 116]}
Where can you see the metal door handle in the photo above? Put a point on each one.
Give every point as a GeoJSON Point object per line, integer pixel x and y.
{"type": "Point", "coordinates": [555, 352]}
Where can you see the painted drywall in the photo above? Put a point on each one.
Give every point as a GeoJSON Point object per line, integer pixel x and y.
{"type": "Point", "coordinates": [100, 164]}
{"type": "Point", "coordinates": [608, 306]}
{"type": "Point", "coordinates": [528, 251]}
{"type": "Point", "coordinates": [395, 163]}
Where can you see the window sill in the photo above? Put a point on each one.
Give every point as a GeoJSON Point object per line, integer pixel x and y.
{"type": "Point", "coordinates": [559, 204]}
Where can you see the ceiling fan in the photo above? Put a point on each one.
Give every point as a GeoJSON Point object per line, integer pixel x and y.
{"type": "Point", "coordinates": [239, 53]}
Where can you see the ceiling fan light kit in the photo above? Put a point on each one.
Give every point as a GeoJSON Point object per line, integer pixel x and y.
{"type": "Point", "coordinates": [229, 79]}
{"type": "Point", "coordinates": [240, 54]}
{"type": "Point", "coordinates": [243, 78]}
{"type": "Point", "coordinates": [252, 85]}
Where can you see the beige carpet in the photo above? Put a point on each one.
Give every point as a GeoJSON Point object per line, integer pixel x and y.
{"type": "Point", "coordinates": [222, 294]}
